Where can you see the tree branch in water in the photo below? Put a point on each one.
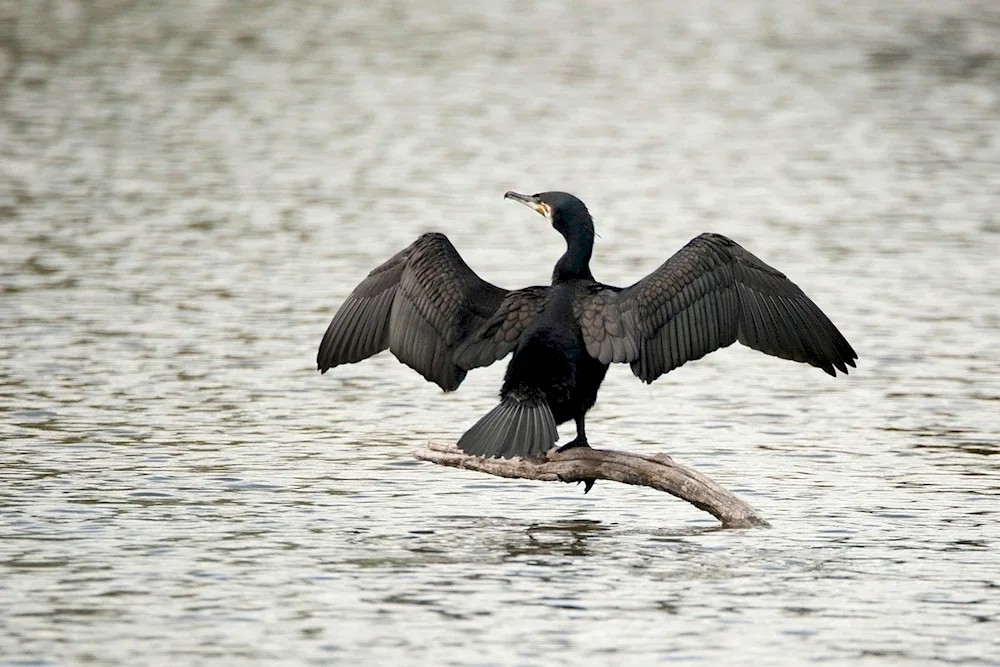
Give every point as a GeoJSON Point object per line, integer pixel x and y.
{"type": "Point", "coordinates": [585, 465]}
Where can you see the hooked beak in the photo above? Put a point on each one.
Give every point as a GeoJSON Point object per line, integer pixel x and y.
{"type": "Point", "coordinates": [529, 201]}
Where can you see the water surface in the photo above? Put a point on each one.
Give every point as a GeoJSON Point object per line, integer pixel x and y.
{"type": "Point", "coordinates": [188, 191]}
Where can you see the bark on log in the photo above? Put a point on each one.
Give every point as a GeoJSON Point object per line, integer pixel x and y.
{"type": "Point", "coordinates": [580, 465]}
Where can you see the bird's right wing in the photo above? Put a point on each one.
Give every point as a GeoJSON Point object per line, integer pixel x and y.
{"type": "Point", "coordinates": [710, 294]}
{"type": "Point", "coordinates": [423, 304]}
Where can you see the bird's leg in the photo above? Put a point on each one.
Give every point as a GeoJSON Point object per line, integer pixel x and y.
{"type": "Point", "coordinates": [581, 436]}
{"type": "Point", "coordinates": [580, 441]}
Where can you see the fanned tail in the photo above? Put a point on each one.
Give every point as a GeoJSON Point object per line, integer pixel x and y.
{"type": "Point", "coordinates": [516, 427]}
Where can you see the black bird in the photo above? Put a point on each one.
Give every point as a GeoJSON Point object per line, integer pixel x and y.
{"type": "Point", "coordinates": [438, 317]}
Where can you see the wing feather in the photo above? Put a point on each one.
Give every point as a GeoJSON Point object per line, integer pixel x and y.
{"type": "Point", "coordinates": [707, 296]}
{"type": "Point", "coordinates": [499, 335]}
{"type": "Point", "coordinates": [424, 304]}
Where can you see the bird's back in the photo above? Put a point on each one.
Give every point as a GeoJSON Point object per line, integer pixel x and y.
{"type": "Point", "coordinates": [552, 357]}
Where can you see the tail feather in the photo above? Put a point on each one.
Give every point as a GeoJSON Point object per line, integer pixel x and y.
{"type": "Point", "coordinates": [516, 427]}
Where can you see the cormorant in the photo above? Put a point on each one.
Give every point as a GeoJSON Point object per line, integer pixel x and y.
{"type": "Point", "coordinates": [438, 317]}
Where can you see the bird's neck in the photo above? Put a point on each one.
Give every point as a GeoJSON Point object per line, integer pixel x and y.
{"type": "Point", "coordinates": [575, 262]}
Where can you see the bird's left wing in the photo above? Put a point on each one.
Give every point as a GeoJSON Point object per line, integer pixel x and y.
{"type": "Point", "coordinates": [500, 334]}
{"type": "Point", "coordinates": [421, 304]}
{"type": "Point", "coordinates": [710, 294]}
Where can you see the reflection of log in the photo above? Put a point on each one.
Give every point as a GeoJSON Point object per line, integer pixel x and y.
{"type": "Point", "coordinates": [582, 465]}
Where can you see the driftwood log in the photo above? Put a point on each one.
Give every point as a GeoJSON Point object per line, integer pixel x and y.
{"type": "Point", "coordinates": [585, 465]}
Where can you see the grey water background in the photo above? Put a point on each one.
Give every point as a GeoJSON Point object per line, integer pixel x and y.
{"type": "Point", "coordinates": [188, 190]}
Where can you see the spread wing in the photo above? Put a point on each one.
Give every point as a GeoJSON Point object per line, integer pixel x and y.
{"type": "Point", "coordinates": [501, 333]}
{"type": "Point", "coordinates": [710, 294]}
{"type": "Point", "coordinates": [423, 304]}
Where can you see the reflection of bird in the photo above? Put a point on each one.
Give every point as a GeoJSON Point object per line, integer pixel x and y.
{"type": "Point", "coordinates": [441, 319]}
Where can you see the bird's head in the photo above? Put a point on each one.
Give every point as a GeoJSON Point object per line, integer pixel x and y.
{"type": "Point", "coordinates": [570, 218]}
{"type": "Point", "coordinates": [568, 215]}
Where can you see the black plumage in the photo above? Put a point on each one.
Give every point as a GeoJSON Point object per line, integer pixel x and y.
{"type": "Point", "coordinates": [438, 317]}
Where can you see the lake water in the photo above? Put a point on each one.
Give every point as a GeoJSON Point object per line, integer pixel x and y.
{"type": "Point", "coordinates": [189, 190]}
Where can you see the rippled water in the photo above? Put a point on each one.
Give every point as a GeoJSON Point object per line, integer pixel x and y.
{"type": "Point", "coordinates": [188, 191]}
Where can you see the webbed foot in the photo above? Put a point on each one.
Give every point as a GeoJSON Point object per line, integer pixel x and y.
{"type": "Point", "coordinates": [573, 444]}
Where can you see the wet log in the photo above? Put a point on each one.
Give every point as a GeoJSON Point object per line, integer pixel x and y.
{"type": "Point", "coordinates": [585, 465]}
